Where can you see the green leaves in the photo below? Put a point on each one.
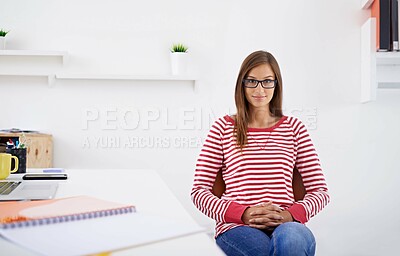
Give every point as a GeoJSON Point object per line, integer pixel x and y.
{"type": "Point", "coordinates": [179, 48]}
{"type": "Point", "coordinates": [3, 33]}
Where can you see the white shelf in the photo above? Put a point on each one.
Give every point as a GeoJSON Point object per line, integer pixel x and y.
{"type": "Point", "coordinates": [379, 70]}
{"type": "Point", "coordinates": [388, 58]}
{"type": "Point", "coordinates": [368, 61]}
{"type": "Point", "coordinates": [35, 53]}
{"type": "Point", "coordinates": [391, 85]}
{"type": "Point", "coordinates": [23, 74]}
{"type": "Point", "coordinates": [124, 77]}
{"type": "Point", "coordinates": [50, 77]}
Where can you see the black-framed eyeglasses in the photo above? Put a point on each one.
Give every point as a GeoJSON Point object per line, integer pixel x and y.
{"type": "Point", "coordinates": [253, 83]}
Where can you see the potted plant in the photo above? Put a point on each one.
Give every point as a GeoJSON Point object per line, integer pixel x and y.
{"type": "Point", "coordinates": [179, 59]}
{"type": "Point", "coordinates": [3, 39]}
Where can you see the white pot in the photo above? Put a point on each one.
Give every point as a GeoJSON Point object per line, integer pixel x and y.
{"type": "Point", "coordinates": [179, 63]}
{"type": "Point", "coordinates": [2, 43]}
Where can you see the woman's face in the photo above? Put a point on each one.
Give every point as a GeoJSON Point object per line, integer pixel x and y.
{"type": "Point", "coordinates": [259, 97]}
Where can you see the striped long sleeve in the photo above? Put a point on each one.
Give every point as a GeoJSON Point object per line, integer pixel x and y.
{"type": "Point", "coordinates": [262, 171]}
{"type": "Point", "coordinates": [209, 162]}
{"type": "Point", "coordinates": [307, 163]}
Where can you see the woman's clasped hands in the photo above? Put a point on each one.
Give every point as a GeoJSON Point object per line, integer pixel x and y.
{"type": "Point", "coordinates": [265, 216]}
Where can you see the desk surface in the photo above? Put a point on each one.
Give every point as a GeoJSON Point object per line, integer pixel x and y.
{"type": "Point", "coordinates": [143, 188]}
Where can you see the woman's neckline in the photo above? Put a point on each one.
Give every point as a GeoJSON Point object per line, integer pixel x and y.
{"type": "Point", "coordinates": [252, 129]}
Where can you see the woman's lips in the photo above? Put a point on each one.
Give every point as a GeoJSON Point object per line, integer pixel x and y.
{"type": "Point", "coordinates": [259, 97]}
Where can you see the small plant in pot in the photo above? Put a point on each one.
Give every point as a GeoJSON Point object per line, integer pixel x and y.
{"type": "Point", "coordinates": [3, 34]}
{"type": "Point", "coordinates": [179, 59]}
{"type": "Point", "coordinates": [179, 48]}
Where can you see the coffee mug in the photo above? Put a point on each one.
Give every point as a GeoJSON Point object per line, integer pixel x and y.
{"type": "Point", "coordinates": [20, 153]}
{"type": "Point", "coordinates": [5, 165]}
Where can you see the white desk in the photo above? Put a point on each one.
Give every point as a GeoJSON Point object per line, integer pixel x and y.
{"type": "Point", "coordinates": [143, 188]}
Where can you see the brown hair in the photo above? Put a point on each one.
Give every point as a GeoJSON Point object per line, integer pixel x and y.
{"type": "Point", "coordinates": [242, 105]}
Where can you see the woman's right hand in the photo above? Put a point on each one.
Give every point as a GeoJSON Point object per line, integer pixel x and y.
{"type": "Point", "coordinates": [263, 216]}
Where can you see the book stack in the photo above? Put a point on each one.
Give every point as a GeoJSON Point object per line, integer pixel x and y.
{"type": "Point", "coordinates": [386, 13]}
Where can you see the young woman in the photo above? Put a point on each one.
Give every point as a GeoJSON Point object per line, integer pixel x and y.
{"type": "Point", "coordinates": [256, 150]}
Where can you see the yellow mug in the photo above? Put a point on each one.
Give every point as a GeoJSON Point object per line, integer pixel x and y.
{"type": "Point", "coordinates": [5, 165]}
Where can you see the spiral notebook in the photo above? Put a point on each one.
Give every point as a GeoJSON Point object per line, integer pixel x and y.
{"type": "Point", "coordinates": [31, 213]}
{"type": "Point", "coordinates": [84, 225]}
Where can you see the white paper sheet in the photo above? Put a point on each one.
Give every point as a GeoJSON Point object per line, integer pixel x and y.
{"type": "Point", "coordinates": [98, 235]}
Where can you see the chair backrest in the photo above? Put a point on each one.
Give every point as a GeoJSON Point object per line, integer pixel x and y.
{"type": "Point", "coordinates": [298, 187]}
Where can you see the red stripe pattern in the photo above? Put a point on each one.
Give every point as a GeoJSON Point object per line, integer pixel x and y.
{"type": "Point", "coordinates": [261, 172]}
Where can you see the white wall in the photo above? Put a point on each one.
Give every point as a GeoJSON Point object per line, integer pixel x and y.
{"type": "Point", "coordinates": [315, 42]}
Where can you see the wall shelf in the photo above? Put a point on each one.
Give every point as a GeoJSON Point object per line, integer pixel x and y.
{"type": "Point", "coordinates": [379, 70]}
{"type": "Point", "coordinates": [108, 77]}
{"type": "Point", "coordinates": [124, 77]}
{"type": "Point", "coordinates": [49, 77]}
{"type": "Point", "coordinates": [368, 61]}
{"type": "Point", "coordinates": [52, 76]}
{"type": "Point", "coordinates": [388, 58]}
{"type": "Point", "coordinates": [35, 53]}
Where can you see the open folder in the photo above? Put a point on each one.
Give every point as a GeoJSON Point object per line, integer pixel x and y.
{"type": "Point", "coordinates": [84, 225]}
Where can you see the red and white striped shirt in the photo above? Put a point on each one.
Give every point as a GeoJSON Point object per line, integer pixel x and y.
{"type": "Point", "coordinates": [261, 172]}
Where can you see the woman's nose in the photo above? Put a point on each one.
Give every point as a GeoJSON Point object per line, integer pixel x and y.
{"type": "Point", "coordinates": [259, 88]}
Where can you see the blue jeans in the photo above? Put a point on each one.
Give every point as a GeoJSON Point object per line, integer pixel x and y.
{"type": "Point", "coordinates": [290, 238]}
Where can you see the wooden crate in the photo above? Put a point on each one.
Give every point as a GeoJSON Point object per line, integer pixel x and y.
{"type": "Point", "coordinates": [39, 148]}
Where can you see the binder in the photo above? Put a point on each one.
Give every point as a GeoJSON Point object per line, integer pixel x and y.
{"type": "Point", "coordinates": [380, 9]}
{"type": "Point", "coordinates": [395, 25]}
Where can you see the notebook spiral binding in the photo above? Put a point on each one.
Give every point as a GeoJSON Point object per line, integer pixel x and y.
{"type": "Point", "coordinates": [67, 218]}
